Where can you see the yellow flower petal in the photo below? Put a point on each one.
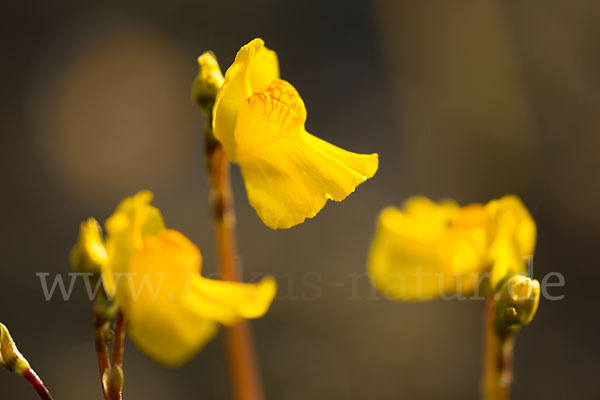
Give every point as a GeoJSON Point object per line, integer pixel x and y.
{"type": "Point", "coordinates": [428, 250]}
{"type": "Point", "coordinates": [154, 299]}
{"type": "Point", "coordinates": [228, 302]}
{"type": "Point", "coordinates": [169, 341]}
{"type": "Point", "coordinates": [289, 174]}
{"type": "Point", "coordinates": [133, 220]}
{"type": "Point", "coordinates": [513, 236]}
{"type": "Point", "coordinates": [254, 68]}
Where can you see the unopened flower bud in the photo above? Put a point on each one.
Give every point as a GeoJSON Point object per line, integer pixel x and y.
{"type": "Point", "coordinates": [89, 253]}
{"type": "Point", "coordinates": [517, 300]}
{"type": "Point", "coordinates": [10, 357]}
{"type": "Point", "coordinates": [208, 81]}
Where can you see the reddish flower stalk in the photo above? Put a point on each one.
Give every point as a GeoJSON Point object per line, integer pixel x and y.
{"type": "Point", "coordinates": [37, 384]}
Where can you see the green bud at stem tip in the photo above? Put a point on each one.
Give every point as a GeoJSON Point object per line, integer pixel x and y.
{"type": "Point", "coordinates": [89, 253]}
{"type": "Point", "coordinates": [517, 300]}
{"type": "Point", "coordinates": [208, 81]}
{"type": "Point", "coordinates": [10, 357]}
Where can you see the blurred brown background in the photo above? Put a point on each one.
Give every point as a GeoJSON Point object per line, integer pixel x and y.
{"type": "Point", "coordinates": [462, 99]}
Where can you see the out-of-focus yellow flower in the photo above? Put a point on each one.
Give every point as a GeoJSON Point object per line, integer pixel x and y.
{"type": "Point", "coordinates": [154, 274]}
{"type": "Point", "coordinates": [259, 119]}
{"type": "Point", "coordinates": [428, 249]}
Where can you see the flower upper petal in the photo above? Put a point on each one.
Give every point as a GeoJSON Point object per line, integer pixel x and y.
{"type": "Point", "coordinates": [289, 174]}
{"type": "Point", "coordinates": [133, 220]}
{"type": "Point", "coordinates": [512, 237]}
{"type": "Point", "coordinates": [255, 67]}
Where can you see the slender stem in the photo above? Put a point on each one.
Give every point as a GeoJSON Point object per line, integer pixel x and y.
{"type": "Point", "coordinates": [101, 329]}
{"type": "Point", "coordinates": [101, 344]}
{"type": "Point", "coordinates": [498, 353]}
{"type": "Point", "coordinates": [119, 345]}
{"type": "Point", "coordinates": [114, 386]}
{"type": "Point", "coordinates": [241, 355]}
{"type": "Point", "coordinates": [37, 384]}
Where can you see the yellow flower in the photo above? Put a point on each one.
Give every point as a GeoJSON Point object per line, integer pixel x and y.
{"type": "Point", "coordinates": [259, 119]}
{"type": "Point", "coordinates": [427, 249]}
{"type": "Point", "coordinates": [154, 274]}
